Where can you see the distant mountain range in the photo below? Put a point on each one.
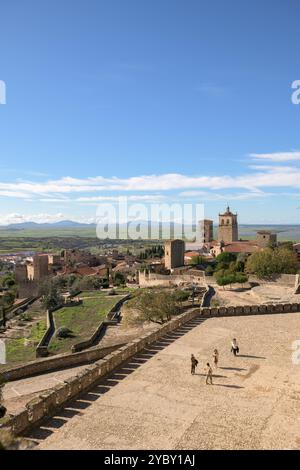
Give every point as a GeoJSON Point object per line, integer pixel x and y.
{"type": "Point", "coordinates": [73, 224]}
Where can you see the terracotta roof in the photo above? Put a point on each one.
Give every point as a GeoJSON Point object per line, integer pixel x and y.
{"type": "Point", "coordinates": [190, 254]}
{"type": "Point", "coordinates": [241, 247]}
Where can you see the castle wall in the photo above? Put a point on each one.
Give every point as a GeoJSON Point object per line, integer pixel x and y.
{"type": "Point", "coordinates": [160, 280]}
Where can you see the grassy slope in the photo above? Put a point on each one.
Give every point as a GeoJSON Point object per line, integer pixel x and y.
{"type": "Point", "coordinates": [17, 352]}
{"type": "Point", "coordinates": [83, 319]}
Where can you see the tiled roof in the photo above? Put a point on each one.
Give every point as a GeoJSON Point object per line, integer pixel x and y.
{"type": "Point", "coordinates": [241, 247]}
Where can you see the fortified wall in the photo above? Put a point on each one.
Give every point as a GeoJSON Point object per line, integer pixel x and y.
{"type": "Point", "coordinates": [161, 280]}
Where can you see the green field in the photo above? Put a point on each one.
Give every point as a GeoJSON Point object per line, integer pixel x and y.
{"type": "Point", "coordinates": [83, 319]}
{"type": "Point", "coordinates": [17, 352]}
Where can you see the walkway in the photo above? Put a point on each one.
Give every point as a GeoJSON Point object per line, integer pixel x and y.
{"type": "Point", "coordinates": [152, 402]}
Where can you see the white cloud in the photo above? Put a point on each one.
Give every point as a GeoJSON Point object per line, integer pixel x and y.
{"type": "Point", "coordinates": [69, 189]}
{"type": "Point", "coordinates": [277, 156]}
{"type": "Point", "coordinates": [146, 198]}
{"type": "Point", "coordinates": [209, 196]}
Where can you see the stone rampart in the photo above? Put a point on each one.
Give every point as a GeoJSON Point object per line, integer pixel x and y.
{"type": "Point", "coordinates": [57, 362]}
{"type": "Point", "coordinates": [250, 310]}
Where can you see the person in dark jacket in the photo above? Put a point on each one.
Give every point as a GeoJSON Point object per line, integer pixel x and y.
{"type": "Point", "coordinates": [194, 364]}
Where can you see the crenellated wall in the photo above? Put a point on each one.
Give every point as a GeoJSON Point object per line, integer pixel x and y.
{"type": "Point", "coordinates": [250, 310]}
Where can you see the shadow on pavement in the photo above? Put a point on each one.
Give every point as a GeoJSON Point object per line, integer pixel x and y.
{"type": "Point", "coordinates": [86, 399]}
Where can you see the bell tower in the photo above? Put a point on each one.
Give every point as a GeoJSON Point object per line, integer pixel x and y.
{"type": "Point", "coordinates": [228, 227]}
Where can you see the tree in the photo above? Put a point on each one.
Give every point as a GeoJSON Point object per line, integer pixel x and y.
{"type": "Point", "coordinates": [153, 306]}
{"type": "Point", "coordinates": [181, 296]}
{"type": "Point", "coordinates": [8, 281]}
{"type": "Point", "coordinates": [118, 279]}
{"type": "Point", "coordinates": [241, 278]}
{"type": "Point", "coordinates": [223, 281]}
{"type": "Point", "coordinates": [53, 299]}
{"type": "Point", "coordinates": [225, 257]}
{"type": "Point", "coordinates": [7, 299]}
{"type": "Point", "coordinates": [229, 278]}
{"type": "Point", "coordinates": [196, 260]}
{"type": "Point", "coordinates": [209, 270]}
{"type": "Point", "coordinates": [266, 263]}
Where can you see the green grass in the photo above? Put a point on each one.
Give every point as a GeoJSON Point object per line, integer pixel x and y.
{"type": "Point", "coordinates": [17, 352]}
{"type": "Point", "coordinates": [83, 319]}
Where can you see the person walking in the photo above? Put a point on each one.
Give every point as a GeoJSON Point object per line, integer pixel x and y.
{"type": "Point", "coordinates": [216, 358]}
{"type": "Point", "coordinates": [208, 374]}
{"type": "Point", "coordinates": [234, 347]}
{"type": "Point", "coordinates": [194, 364]}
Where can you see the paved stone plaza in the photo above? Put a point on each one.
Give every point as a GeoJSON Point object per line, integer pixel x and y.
{"type": "Point", "coordinates": [153, 402]}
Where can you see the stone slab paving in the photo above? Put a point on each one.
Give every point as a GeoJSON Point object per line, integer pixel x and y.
{"type": "Point", "coordinates": [17, 393]}
{"type": "Point", "coordinates": [253, 404]}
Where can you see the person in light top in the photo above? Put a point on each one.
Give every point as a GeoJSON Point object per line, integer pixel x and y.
{"type": "Point", "coordinates": [234, 347]}
{"type": "Point", "coordinates": [216, 358]}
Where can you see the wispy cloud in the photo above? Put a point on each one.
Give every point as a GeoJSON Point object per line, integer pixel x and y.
{"type": "Point", "coordinates": [277, 156]}
{"type": "Point", "coordinates": [209, 196]}
{"type": "Point", "coordinates": [252, 183]}
{"type": "Point", "coordinates": [210, 89]}
{"type": "Point", "coordinates": [135, 198]}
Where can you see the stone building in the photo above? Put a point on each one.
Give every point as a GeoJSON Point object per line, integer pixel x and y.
{"type": "Point", "coordinates": [21, 273]}
{"type": "Point", "coordinates": [174, 254]}
{"type": "Point", "coordinates": [206, 231]}
{"type": "Point", "coordinates": [228, 227]}
{"type": "Point", "coordinates": [265, 238]}
{"type": "Point", "coordinates": [73, 256]}
{"type": "Point", "coordinates": [39, 268]}
{"type": "Point", "coordinates": [54, 260]}
{"type": "Point", "coordinates": [296, 247]}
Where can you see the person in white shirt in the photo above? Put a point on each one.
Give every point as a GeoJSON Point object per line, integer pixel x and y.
{"type": "Point", "coordinates": [234, 347]}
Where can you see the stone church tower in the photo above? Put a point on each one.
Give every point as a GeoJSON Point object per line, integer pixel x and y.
{"type": "Point", "coordinates": [228, 227]}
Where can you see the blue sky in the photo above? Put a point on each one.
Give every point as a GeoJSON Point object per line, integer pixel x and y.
{"type": "Point", "coordinates": [161, 100]}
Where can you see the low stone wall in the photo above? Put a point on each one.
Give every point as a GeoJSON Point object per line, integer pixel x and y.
{"type": "Point", "coordinates": [287, 280]}
{"type": "Point", "coordinates": [90, 341]}
{"type": "Point", "coordinates": [48, 402]}
{"type": "Point", "coordinates": [101, 327]}
{"type": "Point", "coordinates": [250, 310]}
{"type": "Point", "coordinates": [42, 347]}
{"type": "Point", "coordinates": [58, 362]}
{"type": "Point", "coordinates": [161, 280]}
{"type": "Point", "coordinates": [12, 311]}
